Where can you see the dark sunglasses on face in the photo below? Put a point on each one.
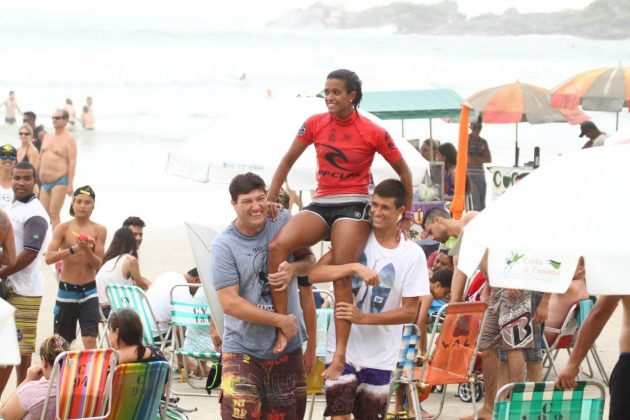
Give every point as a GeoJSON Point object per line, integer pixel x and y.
{"type": "Point", "coordinates": [24, 134]}
{"type": "Point", "coordinates": [10, 157]}
{"type": "Point", "coordinates": [57, 118]}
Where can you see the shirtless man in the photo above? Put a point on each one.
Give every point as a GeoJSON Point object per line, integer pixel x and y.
{"type": "Point", "coordinates": [7, 241]}
{"type": "Point", "coordinates": [71, 113]}
{"type": "Point", "coordinates": [80, 243]}
{"type": "Point", "coordinates": [11, 105]}
{"type": "Point", "coordinates": [590, 330]}
{"type": "Point", "coordinates": [58, 162]}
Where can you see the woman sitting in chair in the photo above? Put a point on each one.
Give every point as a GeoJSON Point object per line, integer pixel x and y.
{"type": "Point", "coordinates": [27, 400]}
{"type": "Point", "coordinates": [125, 336]}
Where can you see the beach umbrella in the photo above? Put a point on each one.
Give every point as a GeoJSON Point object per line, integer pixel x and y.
{"type": "Point", "coordinates": [201, 238]}
{"type": "Point", "coordinates": [604, 89]}
{"type": "Point", "coordinates": [536, 231]}
{"type": "Point", "coordinates": [10, 354]}
{"type": "Point", "coordinates": [255, 137]}
{"type": "Point", "coordinates": [459, 199]}
{"type": "Point", "coordinates": [520, 102]}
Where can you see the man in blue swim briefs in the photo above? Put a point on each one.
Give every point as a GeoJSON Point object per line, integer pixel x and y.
{"type": "Point", "coordinates": [58, 162]}
{"type": "Point", "coordinates": [80, 244]}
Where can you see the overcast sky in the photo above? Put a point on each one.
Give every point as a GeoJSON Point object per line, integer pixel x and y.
{"type": "Point", "coordinates": [255, 10]}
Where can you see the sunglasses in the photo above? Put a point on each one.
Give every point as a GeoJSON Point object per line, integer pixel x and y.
{"type": "Point", "coordinates": [24, 134]}
{"type": "Point", "coordinates": [55, 118]}
{"type": "Point", "coordinates": [5, 157]}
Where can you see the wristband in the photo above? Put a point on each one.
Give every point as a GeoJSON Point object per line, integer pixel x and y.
{"type": "Point", "coordinates": [71, 250]}
{"type": "Point", "coordinates": [408, 215]}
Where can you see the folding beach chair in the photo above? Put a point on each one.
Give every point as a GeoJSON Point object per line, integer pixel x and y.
{"type": "Point", "coordinates": [84, 384]}
{"type": "Point", "coordinates": [186, 316]}
{"type": "Point", "coordinates": [542, 400]}
{"type": "Point", "coordinates": [564, 341]}
{"type": "Point", "coordinates": [132, 297]}
{"type": "Point", "coordinates": [314, 380]}
{"type": "Point", "coordinates": [455, 351]}
{"type": "Point", "coordinates": [137, 391]}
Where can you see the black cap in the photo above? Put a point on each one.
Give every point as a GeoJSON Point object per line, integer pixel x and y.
{"type": "Point", "coordinates": [85, 190]}
{"type": "Point", "coordinates": [585, 126]}
{"type": "Point", "coordinates": [7, 149]}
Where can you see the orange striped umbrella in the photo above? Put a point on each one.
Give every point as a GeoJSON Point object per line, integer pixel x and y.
{"type": "Point", "coordinates": [521, 102]}
{"type": "Point", "coordinates": [604, 89]}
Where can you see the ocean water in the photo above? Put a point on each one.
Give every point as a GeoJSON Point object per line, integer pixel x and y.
{"type": "Point", "coordinates": [157, 81]}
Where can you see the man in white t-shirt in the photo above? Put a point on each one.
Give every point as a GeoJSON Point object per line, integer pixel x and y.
{"type": "Point", "coordinates": [159, 294]}
{"type": "Point", "coordinates": [387, 284]}
{"type": "Point", "coordinates": [25, 281]}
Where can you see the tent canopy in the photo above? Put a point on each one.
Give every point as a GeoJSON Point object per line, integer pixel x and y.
{"type": "Point", "coordinates": [412, 104]}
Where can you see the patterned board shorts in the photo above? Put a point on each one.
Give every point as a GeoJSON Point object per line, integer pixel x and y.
{"type": "Point", "coordinates": [509, 322]}
{"type": "Point", "coordinates": [26, 313]}
{"type": "Point", "coordinates": [253, 388]}
{"type": "Point", "coordinates": [533, 354]}
{"type": "Point", "coordinates": [359, 391]}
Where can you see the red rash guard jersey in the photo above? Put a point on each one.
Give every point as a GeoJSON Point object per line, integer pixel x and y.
{"type": "Point", "coordinates": [345, 151]}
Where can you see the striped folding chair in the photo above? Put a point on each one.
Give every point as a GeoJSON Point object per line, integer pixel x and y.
{"type": "Point", "coordinates": [125, 296]}
{"type": "Point", "coordinates": [84, 384]}
{"type": "Point", "coordinates": [314, 380]}
{"type": "Point", "coordinates": [542, 400]}
{"type": "Point", "coordinates": [406, 365]}
{"type": "Point", "coordinates": [186, 317]}
{"type": "Point", "coordinates": [137, 390]}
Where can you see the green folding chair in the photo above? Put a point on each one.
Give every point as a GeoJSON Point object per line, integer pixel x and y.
{"type": "Point", "coordinates": [185, 317]}
{"type": "Point", "coordinates": [132, 297]}
{"type": "Point", "coordinates": [542, 400]}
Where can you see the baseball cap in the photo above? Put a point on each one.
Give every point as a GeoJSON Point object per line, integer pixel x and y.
{"type": "Point", "coordinates": [85, 190]}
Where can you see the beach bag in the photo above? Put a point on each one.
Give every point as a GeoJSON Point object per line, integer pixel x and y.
{"type": "Point", "coordinates": [214, 377]}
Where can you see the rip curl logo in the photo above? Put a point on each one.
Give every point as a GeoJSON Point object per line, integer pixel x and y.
{"type": "Point", "coordinates": [357, 214]}
{"type": "Point", "coordinates": [336, 154]}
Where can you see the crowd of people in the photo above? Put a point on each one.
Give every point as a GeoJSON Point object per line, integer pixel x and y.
{"type": "Point", "coordinates": [263, 271]}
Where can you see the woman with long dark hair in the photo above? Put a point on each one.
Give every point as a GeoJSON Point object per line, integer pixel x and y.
{"type": "Point", "coordinates": [120, 266]}
{"type": "Point", "coordinates": [125, 336]}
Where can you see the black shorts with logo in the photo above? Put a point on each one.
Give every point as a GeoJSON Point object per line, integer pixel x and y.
{"type": "Point", "coordinates": [331, 213]}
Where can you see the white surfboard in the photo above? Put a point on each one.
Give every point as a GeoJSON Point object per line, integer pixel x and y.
{"type": "Point", "coordinates": [10, 354]}
{"type": "Point", "coordinates": [201, 238]}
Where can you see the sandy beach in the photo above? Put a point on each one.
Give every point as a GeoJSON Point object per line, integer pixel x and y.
{"type": "Point", "coordinates": [166, 249]}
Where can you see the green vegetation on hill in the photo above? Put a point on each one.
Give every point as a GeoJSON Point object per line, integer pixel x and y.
{"type": "Point", "coordinates": [604, 19]}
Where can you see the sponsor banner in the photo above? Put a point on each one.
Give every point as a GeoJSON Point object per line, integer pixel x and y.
{"type": "Point", "coordinates": [524, 269]}
{"type": "Point", "coordinates": [503, 177]}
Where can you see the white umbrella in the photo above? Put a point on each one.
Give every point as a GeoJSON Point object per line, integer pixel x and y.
{"type": "Point", "coordinates": [255, 138]}
{"type": "Point", "coordinates": [573, 206]}
{"type": "Point", "coordinates": [10, 354]}
{"type": "Point", "coordinates": [201, 238]}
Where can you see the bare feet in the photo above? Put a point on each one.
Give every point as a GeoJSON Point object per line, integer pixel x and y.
{"type": "Point", "coordinates": [481, 415]}
{"type": "Point", "coordinates": [335, 369]}
{"type": "Point", "coordinates": [281, 342]}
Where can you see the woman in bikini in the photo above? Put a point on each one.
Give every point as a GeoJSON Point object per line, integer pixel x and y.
{"type": "Point", "coordinates": [27, 151]}
{"type": "Point", "coordinates": [345, 143]}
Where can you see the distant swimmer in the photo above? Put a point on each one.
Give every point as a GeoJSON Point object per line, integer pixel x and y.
{"type": "Point", "coordinates": [87, 119]}
{"type": "Point", "coordinates": [243, 76]}
{"type": "Point", "coordinates": [11, 106]}
{"type": "Point", "coordinates": [39, 132]}
{"type": "Point", "coordinates": [71, 112]}
{"type": "Point", "coordinates": [57, 166]}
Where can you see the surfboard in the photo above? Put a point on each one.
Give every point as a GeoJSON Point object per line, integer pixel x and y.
{"type": "Point", "coordinates": [201, 238]}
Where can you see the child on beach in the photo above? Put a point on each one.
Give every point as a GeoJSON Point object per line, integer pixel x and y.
{"type": "Point", "coordinates": [345, 143]}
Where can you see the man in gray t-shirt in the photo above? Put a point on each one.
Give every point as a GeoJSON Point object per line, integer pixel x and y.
{"type": "Point", "coordinates": [255, 380]}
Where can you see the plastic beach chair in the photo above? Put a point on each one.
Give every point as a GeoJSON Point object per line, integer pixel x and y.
{"type": "Point", "coordinates": [84, 384]}
{"type": "Point", "coordinates": [137, 390]}
{"type": "Point", "coordinates": [564, 341]}
{"type": "Point", "coordinates": [186, 316]}
{"type": "Point", "coordinates": [542, 400]}
{"type": "Point", "coordinates": [452, 358]}
{"type": "Point", "coordinates": [125, 296]}
{"type": "Point", "coordinates": [406, 365]}
{"type": "Point", "coordinates": [314, 380]}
